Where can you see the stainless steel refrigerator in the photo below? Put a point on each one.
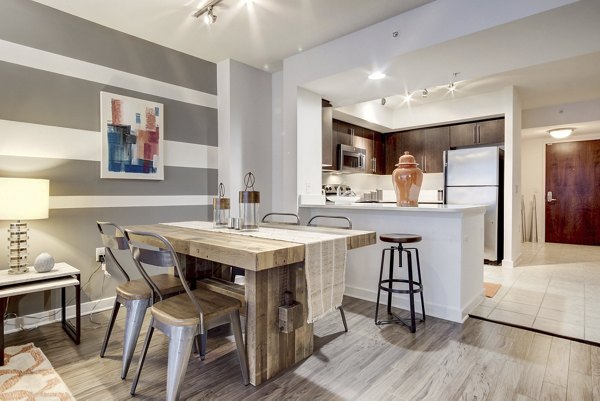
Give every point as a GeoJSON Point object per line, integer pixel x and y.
{"type": "Point", "coordinates": [475, 176]}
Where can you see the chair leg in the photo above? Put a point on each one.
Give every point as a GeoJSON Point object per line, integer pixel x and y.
{"type": "Point", "coordinates": [203, 340]}
{"type": "Point", "coordinates": [379, 285]}
{"type": "Point", "coordinates": [341, 309]}
{"type": "Point", "coordinates": [411, 293]}
{"type": "Point", "coordinates": [142, 356]}
{"type": "Point", "coordinates": [111, 324]}
{"type": "Point", "coordinates": [180, 348]}
{"type": "Point", "coordinates": [136, 310]}
{"type": "Point", "coordinates": [421, 283]}
{"type": "Point", "coordinates": [391, 278]}
{"type": "Point", "coordinates": [239, 342]}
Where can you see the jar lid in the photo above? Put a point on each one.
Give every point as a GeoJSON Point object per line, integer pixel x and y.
{"type": "Point", "coordinates": [249, 197]}
{"type": "Point", "coordinates": [221, 203]}
{"type": "Point", "coordinates": [407, 160]}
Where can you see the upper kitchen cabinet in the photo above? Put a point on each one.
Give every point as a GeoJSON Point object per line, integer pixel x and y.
{"type": "Point", "coordinates": [427, 145]}
{"type": "Point", "coordinates": [477, 133]}
{"type": "Point", "coordinates": [353, 135]}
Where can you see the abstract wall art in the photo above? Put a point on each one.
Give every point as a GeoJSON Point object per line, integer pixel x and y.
{"type": "Point", "coordinates": [132, 138]}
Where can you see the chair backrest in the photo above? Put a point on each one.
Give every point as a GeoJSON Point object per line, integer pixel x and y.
{"type": "Point", "coordinates": [155, 250]}
{"type": "Point", "coordinates": [347, 223]}
{"type": "Point", "coordinates": [113, 239]}
{"type": "Point", "coordinates": [285, 218]}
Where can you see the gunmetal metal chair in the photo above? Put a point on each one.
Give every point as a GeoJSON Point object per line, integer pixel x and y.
{"type": "Point", "coordinates": [135, 295]}
{"type": "Point", "coordinates": [282, 218]}
{"type": "Point", "coordinates": [346, 224]}
{"type": "Point", "coordinates": [183, 318]}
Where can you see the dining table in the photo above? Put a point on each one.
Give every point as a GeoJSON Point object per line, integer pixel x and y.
{"type": "Point", "coordinates": [273, 259]}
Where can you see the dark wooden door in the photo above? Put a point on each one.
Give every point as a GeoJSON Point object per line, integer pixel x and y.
{"type": "Point", "coordinates": [573, 183]}
{"type": "Point", "coordinates": [437, 140]}
{"type": "Point", "coordinates": [491, 131]}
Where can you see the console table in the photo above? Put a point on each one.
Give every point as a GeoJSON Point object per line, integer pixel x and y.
{"type": "Point", "coordinates": [61, 276]}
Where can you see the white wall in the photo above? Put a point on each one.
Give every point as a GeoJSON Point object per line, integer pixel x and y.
{"type": "Point", "coordinates": [245, 130]}
{"type": "Point", "coordinates": [309, 133]}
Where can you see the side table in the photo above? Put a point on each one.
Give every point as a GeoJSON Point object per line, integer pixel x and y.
{"type": "Point", "coordinates": [61, 276]}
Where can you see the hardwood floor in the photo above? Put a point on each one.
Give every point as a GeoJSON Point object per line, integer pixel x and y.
{"type": "Point", "coordinates": [478, 360]}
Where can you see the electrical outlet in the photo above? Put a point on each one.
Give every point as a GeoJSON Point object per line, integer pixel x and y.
{"type": "Point", "coordinates": [100, 253]}
{"type": "Point", "coordinates": [106, 273]}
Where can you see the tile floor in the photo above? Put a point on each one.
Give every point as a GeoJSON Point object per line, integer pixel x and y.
{"type": "Point", "coordinates": [556, 288]}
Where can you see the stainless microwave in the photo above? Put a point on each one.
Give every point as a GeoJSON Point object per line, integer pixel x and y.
{"type": "Point", "coordinates": [351, 159]}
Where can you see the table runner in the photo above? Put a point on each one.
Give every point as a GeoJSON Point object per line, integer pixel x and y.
{"type": "Point", "coordinates": [324, 262]}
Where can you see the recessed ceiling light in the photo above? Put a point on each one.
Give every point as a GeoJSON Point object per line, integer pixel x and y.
{"type": "Point", "coordinates": [266, 66]}
{"type": "Point", "coordinates": [408, 97]}
{"type": "Point", "coordinates": [299, 48]}
{"type": "Point", "coordinates": [561, 133]}
{"type": "Point", "coordinates": [377, 75]}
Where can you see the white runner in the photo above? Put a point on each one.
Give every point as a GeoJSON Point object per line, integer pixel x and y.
{"type": "Point", "coordinates": [324, 262]}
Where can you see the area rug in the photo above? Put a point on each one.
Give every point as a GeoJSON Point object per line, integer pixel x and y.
{"type": "Point", "coordinates": [491, 289]}
{"type": "Point", "coordinates": [28, 375]}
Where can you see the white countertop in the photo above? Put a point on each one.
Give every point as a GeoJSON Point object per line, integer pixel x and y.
{"type": "Point", "coordinates": [426, 208]}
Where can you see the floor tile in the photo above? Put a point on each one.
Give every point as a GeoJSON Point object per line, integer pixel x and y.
{"type": "Point", "coordinates": [482, 311]}
{"type": "Point", "coordinates": [517, 307]}
{"type": "Point", "coordinates": [575, 317]}
{"type": "Point", "coordinates": [511, 317]}
{"type": "Point", "coordinates": [553, 326]}
{"type": "Point", "coordinates": [592, 334]}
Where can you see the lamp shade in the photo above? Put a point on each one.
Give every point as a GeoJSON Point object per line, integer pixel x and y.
{"type": "Point", "coordinates": [24, 198]}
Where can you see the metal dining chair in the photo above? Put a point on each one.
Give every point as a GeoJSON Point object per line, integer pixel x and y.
{"type": "Point", "coordinates": [135, 295]}
{"type": "Point", "coordinates": [183, 318]}
{"type": "Point", "coordinates": [346, 224]}
{"type": "Point", "coordinates": [282, 218]}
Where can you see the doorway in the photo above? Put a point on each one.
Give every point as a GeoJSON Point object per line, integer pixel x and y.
{"type": "Point", "coordinates": [572, 204]}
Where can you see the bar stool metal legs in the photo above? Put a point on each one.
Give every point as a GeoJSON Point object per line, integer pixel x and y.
{"type": "Point", "coordinates": [387, 285]}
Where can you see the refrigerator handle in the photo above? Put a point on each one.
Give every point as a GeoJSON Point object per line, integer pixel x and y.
{"type": "Point", "coordinates": [474, 133]}
{"type": "Point", "coordinates": [478, 133]}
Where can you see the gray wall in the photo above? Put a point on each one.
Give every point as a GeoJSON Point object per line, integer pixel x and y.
{"type": "Point", "coordinates": [52, 93]}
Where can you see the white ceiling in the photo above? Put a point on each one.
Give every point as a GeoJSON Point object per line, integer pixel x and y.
{"type": "Point", "coordinates": [260, 33]}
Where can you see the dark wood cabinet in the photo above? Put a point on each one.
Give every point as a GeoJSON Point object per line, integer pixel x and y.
{"type": "Point", "coordinates": [353, 135]}
{"type": "Point", "coordinates": [478, 133]}
{"type": "Point", "coordinates": [426, 145]}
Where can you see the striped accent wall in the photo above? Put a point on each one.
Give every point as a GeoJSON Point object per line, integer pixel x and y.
{"type": "Point", "coordinates": [53, 67]}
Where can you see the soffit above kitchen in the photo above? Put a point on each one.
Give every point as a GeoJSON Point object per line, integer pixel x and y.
{"type": "Point", "coordinates": [260, 33]}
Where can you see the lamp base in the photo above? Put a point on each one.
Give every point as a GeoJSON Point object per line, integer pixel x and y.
{"type": "Point", "coordinates": [18, 270]}
{"type": "Point", "coordinates": [17, 255]}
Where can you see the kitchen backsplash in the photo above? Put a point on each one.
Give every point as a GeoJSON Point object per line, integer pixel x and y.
{"type": "Point", "coordinates": [369, 182]}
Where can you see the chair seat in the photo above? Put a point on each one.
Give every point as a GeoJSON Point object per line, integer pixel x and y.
{"type": "Point", "coordinates": [138, 289]}
{"type": "Point", "coordinates": [400, 238]}
{"type": "Point", "coordinates": [179, 310]}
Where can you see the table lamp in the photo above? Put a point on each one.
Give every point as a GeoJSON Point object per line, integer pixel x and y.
{"type": "Point", "coordinates": [22, 199]}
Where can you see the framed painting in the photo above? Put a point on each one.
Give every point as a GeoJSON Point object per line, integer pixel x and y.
{"type": "Point", "coordinates": [132, 138]}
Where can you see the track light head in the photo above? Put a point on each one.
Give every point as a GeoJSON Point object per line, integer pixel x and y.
{"type": "Point", "coordinates": [383, 101]}
{"type": "Point", "coordinates": [425, 93]}
{"type": "Point", "coordinates": [210, 18]}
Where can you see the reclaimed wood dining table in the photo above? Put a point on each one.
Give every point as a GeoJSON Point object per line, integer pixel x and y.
{"type": "Point", "coordinates": [271, 267]}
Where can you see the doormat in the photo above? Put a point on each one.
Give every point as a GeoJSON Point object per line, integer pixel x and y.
{"type": "Point", "coordinates": [28, 375]}
{"type": "Point", "coordinates": [491, 289]}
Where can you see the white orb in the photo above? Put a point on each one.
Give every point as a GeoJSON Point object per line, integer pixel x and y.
{"type": "Point", "coordinates": [43, 263]}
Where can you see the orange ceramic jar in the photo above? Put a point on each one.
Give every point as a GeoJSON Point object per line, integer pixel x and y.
{"type": "Point", "coordinates": [407, 179]}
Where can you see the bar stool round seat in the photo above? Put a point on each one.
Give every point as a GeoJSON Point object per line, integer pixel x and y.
{"type": "Point", "coordinates": [400, 238]}
{"type": "Point", "coordinates": [391, 285]}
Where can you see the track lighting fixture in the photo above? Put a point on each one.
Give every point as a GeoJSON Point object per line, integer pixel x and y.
{"type": "Point", "coordinates": [425, 93]}
{"type": "Point", "coordinates": [383, 101]}
{"type": "Point", "coordinates": [452, 84]}
{"type": "Point", "coordinates": [208, 11]}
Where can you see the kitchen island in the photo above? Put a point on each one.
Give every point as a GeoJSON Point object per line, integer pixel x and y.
{"type": "Point", "coordinates": [451, 252]}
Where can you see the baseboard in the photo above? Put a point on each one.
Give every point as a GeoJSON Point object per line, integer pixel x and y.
{"type": "Point", "coordinates": [54, 315]}
{"type": "Point", "coordinates": [435, 310]}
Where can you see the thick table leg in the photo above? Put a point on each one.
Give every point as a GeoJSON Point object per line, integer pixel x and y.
{"type": "Point", "coordinates": [2, 309]}
{"type": "Point", "coordinates": [269, 350]}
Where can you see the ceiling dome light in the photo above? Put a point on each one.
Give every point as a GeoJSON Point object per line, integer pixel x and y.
{"type": "Point", "coordinates": [377, 75]}
{"type": "Point", "coordinates": [561, 133]}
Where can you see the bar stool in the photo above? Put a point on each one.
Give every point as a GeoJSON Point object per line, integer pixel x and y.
{"type": "Point", "coordinates": [388, 284]}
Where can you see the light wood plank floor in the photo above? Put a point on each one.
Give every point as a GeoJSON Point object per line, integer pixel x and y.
{"type": "Point", "coordinates": [478, 360]}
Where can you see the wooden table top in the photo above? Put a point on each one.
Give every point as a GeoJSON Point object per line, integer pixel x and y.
{"type": "Point", "coordinates": [248, 252]}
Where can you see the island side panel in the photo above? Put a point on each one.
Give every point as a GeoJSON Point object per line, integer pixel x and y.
{"type": "Point", "coordinates": [444, 267]}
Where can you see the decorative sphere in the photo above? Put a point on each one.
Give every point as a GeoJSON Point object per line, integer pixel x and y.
{"type": "Point", "coordinates": [43, 263]}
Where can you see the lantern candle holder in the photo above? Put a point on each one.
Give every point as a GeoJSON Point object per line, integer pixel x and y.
{"type": "Point", "coordinates": [221, 208]}
{"type": "Point", "coordinates": [249, 203]}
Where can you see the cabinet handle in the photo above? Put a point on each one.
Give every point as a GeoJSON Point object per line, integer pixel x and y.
{"type": "Point", "coordinates": [478, 133]}
{"type": "Point", "coordinates": [475, 133]}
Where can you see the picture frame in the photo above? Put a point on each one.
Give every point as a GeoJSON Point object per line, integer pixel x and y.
{"type": "Point", "coordinates": [132, 133]}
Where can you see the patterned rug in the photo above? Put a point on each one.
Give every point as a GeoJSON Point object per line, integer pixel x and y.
{"type": "Point", "coordinates": [28, 375]}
